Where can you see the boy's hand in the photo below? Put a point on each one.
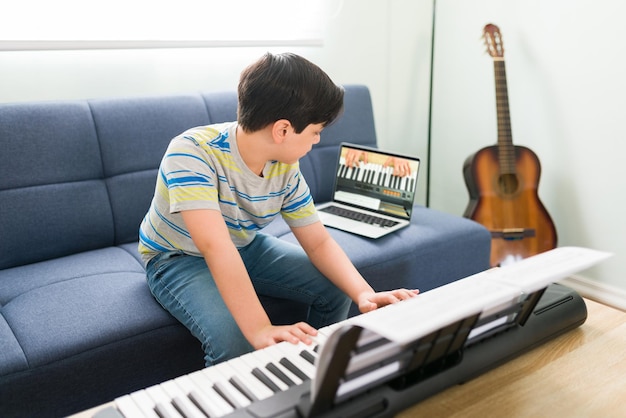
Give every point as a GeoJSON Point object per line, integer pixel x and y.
{"type": "Point", "coordinates": [291, 333]}
{"type": "Point", "coordinates": [371, 301]}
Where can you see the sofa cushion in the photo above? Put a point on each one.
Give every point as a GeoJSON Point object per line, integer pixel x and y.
{"type": "Point", "coordinates": [221, 105]}
{"type": "Point", "coordinates": [12, 358]}
{"type": "Point", "coordinates": [63, 307]}
{"type": "Point", "coordinates": [54, 202]}
{"type": "Point", "coordinates": [133, 135]}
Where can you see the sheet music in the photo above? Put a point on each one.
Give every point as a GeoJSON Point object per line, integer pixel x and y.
{"type": "Point", "coordinates": [486, 292]}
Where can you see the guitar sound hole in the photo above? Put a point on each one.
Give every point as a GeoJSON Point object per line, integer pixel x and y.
{"type": "Point", "coordinates": [508, 183]}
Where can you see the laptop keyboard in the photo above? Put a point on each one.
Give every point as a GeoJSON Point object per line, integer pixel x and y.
{"type": "Point", "coordinates": [359, 216]}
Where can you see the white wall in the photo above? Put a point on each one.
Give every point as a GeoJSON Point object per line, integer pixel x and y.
{"type": "Point", "coordinates": [565, 68]}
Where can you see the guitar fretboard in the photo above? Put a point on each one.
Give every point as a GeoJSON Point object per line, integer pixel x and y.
{"type": "Point", "coordinates": [506, 150]}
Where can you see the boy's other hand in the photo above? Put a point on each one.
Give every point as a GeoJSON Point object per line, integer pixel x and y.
{"type": "Point", "coordinates": [371, 301]}
{"type": "Point", "coordinates": [299, 332]}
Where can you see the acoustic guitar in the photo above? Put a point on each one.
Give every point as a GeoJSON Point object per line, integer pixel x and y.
{"type": "Point", "coordinates": [502, 181]}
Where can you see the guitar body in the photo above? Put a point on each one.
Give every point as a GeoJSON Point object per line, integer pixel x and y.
{"type": "Point", "coordinates": [508, 204]}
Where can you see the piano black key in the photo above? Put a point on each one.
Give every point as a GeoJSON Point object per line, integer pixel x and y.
{"type": "Point", "coordinates": [307, 356]}
{"type": "Point", "coordinates": [202, 386]}
{"type": "Point", "coordinates": [279, 373]}
{"type": "Point", "coordinates": [258, 373]}
{"type": "Point", "coordinates": [163, 405]}
{"type": "Point", "coordinates": [271, 355]}
{"type": "Point", "coordinates": [203, 405]}
{"type": "Point", "coordinates": [293, 368]}
{"type": "Point", "coordinates": [243, 388]}
{"type": "Point", "coordinates": [163, 411]}
{"type": "Point", "coordinates": [183, 408]}
{"type": "Point", "coordinates": [244, 366]}
{"type": "Point", "coordinates": [220, 375]}
{"type": "Point", "coordinates": [292, 352]}
{"type": "Point", "coordinates": [225, 393]}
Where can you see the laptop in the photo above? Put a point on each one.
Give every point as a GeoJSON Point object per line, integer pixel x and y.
{"type": "Point", "coordinates": [368, 198]}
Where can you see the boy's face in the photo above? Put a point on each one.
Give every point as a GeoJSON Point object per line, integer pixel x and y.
{"type": "Point", "coordinates": [298, 145]}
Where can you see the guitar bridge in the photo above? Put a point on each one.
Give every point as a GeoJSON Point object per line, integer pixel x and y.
{"type": "Point", "coordinates": [513, 234]}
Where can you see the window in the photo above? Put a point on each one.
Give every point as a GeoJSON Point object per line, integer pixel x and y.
{"type": "Point", "coordinates": [72, 24]}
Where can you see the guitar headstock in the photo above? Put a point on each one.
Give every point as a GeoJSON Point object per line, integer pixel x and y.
{"type": "Point", "coordinates": [493, 40]}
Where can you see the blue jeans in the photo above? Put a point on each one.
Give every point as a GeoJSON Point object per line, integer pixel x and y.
{"type": "Point", "coordinates": [184, 286]}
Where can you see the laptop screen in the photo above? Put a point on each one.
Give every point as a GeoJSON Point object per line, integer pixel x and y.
{"type": "Point", "coordinates": [377, 180]}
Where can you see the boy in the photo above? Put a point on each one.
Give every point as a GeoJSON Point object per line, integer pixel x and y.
{"type": "Point", "coordinates": [220, 184]}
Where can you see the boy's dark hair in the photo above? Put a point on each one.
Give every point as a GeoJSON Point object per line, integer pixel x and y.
{"type": "Point", "coordinates": [286, 86]}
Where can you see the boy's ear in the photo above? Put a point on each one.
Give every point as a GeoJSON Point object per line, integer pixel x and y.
{"type": "Point", "coordinates": [280, 130]}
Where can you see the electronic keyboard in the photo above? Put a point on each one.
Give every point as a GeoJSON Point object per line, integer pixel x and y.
{"type": "Point", "coordinates": [382, 362]}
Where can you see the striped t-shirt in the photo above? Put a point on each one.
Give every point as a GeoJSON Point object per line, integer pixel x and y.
{"type": "Point", "coordinates": [202, 169]}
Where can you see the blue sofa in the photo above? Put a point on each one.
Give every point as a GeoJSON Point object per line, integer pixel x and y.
{"type": "Point", "coordinates": [78, 325]}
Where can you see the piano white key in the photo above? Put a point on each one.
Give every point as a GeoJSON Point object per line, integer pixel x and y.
{"type": "Point", "coordinates": [363, 169]}
{"type": "Point", "coordinates": [127, 406]}
{"type": "Point", "coordinates": [224, 387]}
{"type": "Point", "coordinates": [243, 383]}
{"type": "Point", "coordinates": [377, 176]}
{"type": "Point", "coordinates": [163, 401]}
{"type": "Point", "coordinates": [145, 403]}
{"type": "Point", "coordinates": [404, 183]}
{"type": "Point", "coordinates": [243, 369]}
{"type": "Point", "coordinates": [204, 404]}
{"type": "Point", "coordinates": [325, 332]}
{"type": "Point", "coordinates": [360, 172]}
{"type": "Point", "coordinates": [180, 396]}
{"type": "Point", "coordinates": [172, 389]}
{"type": "Point", "coordinates": [204, 387]}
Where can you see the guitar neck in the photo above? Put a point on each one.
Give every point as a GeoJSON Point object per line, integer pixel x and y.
{"type": "Point", "coordinates": [506, 151]}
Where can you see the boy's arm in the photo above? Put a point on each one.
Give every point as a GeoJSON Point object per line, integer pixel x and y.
{"type": "Point", "coordinates": [332, 261]}
{"type": "Point", "coordinates": [211, 237]}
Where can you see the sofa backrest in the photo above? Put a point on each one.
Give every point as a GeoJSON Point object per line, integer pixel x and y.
{"type": "Point", "coordinates": [79, 175]}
